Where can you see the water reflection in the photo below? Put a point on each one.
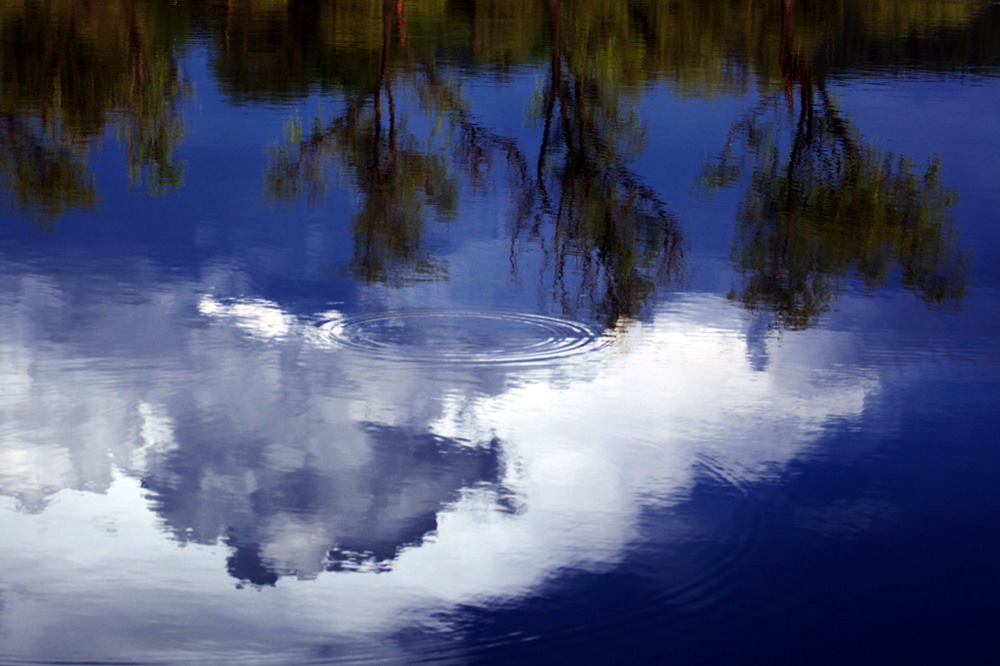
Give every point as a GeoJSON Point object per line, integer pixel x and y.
{"type": "Point", "coordinates": [280, 50]}
{"type": "Point", "coordinates": [395, 175]}
{"type": "Point", "coordinates": [242, 468]}
{"type": "Point", "coordinates": [593, 219]}
{"type": "Point", "coordinates": [299, 458]}
{"type": "Point", "coordinates": [285, 511]}
{"type": "Point", "coordinates": [609, 226]}
{"type": "Point", "coordinates": [821, 204]}
{"type": "Point", "coordinates": [833, 207]}
{"type": "Point", "coordinates": [70, 71]}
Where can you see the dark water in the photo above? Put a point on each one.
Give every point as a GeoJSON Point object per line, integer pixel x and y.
{"type": "Point", "coordinates": [499, 331]}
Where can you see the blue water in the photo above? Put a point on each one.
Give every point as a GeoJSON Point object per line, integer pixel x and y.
{"type": "Point", "coordinates": [453, 378]}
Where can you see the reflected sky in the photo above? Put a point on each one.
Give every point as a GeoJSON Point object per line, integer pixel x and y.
{"type": "Point", "coordinates": [376, 332]}
{"type": "Point", "coordinates": [252, 444]}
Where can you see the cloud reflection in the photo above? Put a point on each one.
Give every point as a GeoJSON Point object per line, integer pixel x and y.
{"type": "Point", "coordinates": [278, 459]}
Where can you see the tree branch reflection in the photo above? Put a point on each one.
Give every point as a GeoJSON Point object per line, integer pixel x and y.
{"type": "Point", "coordinates": [822, 204]}
{"type": "Point", "coordinates": [70, 70]}
{"type": "Point", "coordinates": [589, 214]}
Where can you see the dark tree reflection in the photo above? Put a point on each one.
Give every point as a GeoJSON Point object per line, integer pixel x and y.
{"type": "Point", "coordinates": [73, 70]}
{"type": "Point", "coordinates": [600, 216]}
{"type": "Point", "coordinates": [45, 172]}
{"type": "Point", "coordinates": [607, 239]}
{"type": "Point", "coordinates": [70, 71]}
{"type": "Point", "coordinates": [395, 177]}
{"type": "Point", "coordinates": [822, 204]}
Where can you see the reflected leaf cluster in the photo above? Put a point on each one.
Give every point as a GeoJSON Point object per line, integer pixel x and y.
{"type": "Point", "coordinates": [70, 70]}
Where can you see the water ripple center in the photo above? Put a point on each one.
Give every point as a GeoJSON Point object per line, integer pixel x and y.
{"type": "Point", "coordinates": [464, 336]}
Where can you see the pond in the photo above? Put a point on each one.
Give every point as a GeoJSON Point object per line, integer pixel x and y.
{"type": "Point", "coordinates": [490, 331]}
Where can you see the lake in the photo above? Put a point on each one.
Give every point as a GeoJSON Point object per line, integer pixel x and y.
{"type": "Point", "coordinates": [499, 331]}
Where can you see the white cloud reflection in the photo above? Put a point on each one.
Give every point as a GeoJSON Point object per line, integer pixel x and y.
{"type": "Point", "coordinates": [244, 428]}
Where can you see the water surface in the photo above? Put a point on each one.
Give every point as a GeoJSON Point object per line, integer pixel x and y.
{"type": "Point", "coordinates": [646, 331]}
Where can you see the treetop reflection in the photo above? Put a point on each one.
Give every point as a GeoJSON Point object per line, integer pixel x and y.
{"type": "Point", "coordinates": [832, 206]}
{"type": "Point", "coordinates": [590, 215]}
{"type": "Point", "coordinates": [608, 238]}
{"type": "Point", "coordinates": [69, 70]}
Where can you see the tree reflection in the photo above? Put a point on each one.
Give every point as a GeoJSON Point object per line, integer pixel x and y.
{"type": "Point", "coordinates": [607, 240]}
{"type": "Point", "coordinates": [45, 171]}
{"type": "Point", "coordinates": [603, 218]}
{"type": "Point", "coordinates": [272, 50]}
{"type": "Point", "coordinates": [823, 205]}
{"type": "Point", "coordinates": [589, 214]}
{"type": "Point", "coordinates": [396, 178]}
{"type": "Point", "coordinates": [71, 69]}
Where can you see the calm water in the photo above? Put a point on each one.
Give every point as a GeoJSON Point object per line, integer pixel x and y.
{"type": "Point", "coordinates": [499, 331]}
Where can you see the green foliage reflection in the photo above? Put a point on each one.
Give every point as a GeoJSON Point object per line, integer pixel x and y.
{"type": "Point", "coordinates": [822, 205]}
{"type": "Point", "coordinates": [70, 69]}
{"type": "Point", "coordinates": [579, 206]}
{"type": "Point", "coordinates": [395, 177]}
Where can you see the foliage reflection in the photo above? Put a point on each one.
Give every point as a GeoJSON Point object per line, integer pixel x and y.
{"type": "Point", "coordinates": [580, 204]}
{"type": "Point", "coordinates": [71, 69]}
{"type": "Point", "coordinates": [822, 204]}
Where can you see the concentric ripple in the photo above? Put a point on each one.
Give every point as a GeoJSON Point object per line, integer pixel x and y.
{"type": "Point", "coordinates": [464, 336]}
